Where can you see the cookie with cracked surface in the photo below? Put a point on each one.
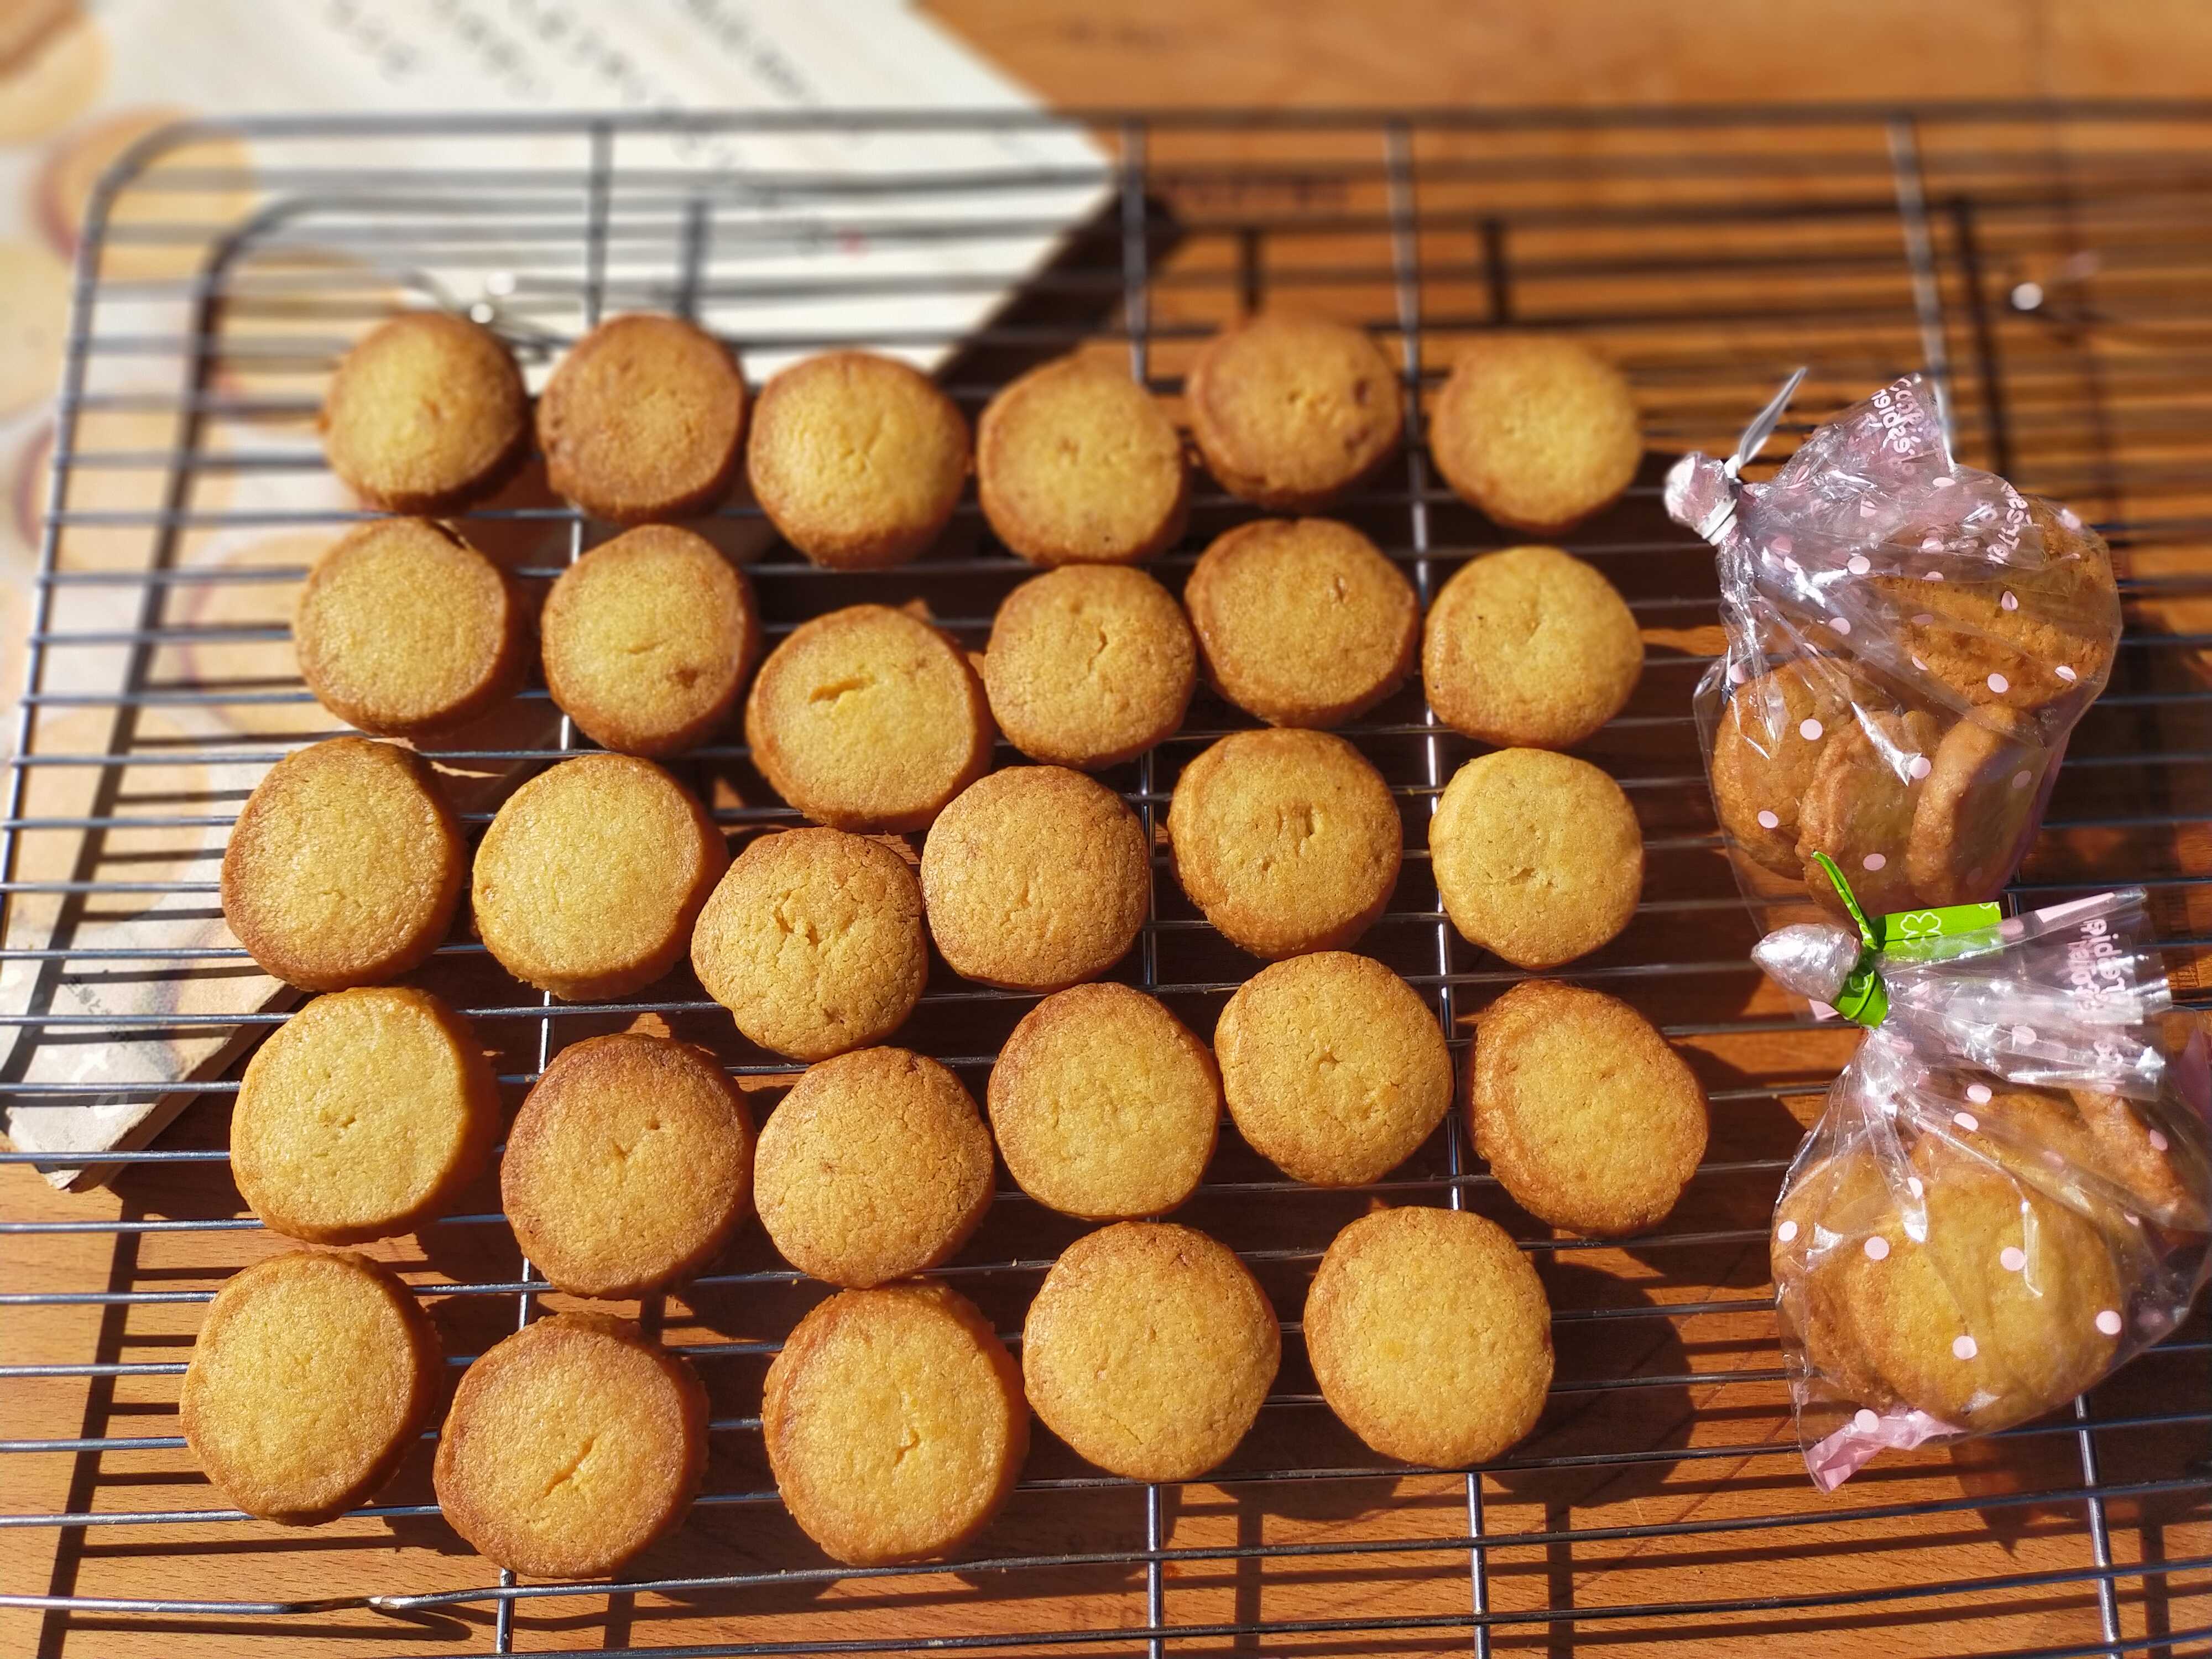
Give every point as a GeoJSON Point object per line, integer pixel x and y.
{"type": "Point", "coordinates": [1105, 1105]}
{"type": "Point", "coordinates": [857, 459]}
{"type": "Point", "coordinates": [1529, 647]}
{"type": "Point", "coordinates": [641, 419]}
{"type": "Point", "coordinates": [1537, 856]}
{"type": "Point", "coordinates": [404, 629]}
{"type": "Point", "coordinates": [311, 1379]}
{"type": "Point", "coordinates": [590, 877]}
{"type": "Point", "coordinates": [875, 1166]}
{"type": "Point", "coordinates": [895, 1424]}
{"type": "Point", "coordinates": [647, 640]}
{"type": "Point", "coordinates": [1292, 410]}
{"type": "Point", "coordinates": [1149, 1349]}
{"type": "Point", "coordinates": [362, 1116]}
{"type": "Point", "coordinates": [1859, 808]}
{"type": "Point", "coordinates": [1587, 1116]}
{"type": "Point", "coordinates": [1303, 621]}
{"type": "Point", "coordinates": [1089, 666]}
{"type": "Point", "coordinates": [1980, 795]}
{"type": "Point", "coordinates": [424, 412]}
{"type": "Point", "coordinates": [1536, 432]}
{"type": "Point", "coordinates": [1333, 1069]}
{"type": "Point", "coordinates": [814, 942]}
{"type": "Point", "coordinates": [1430, 1335]}
{"type": "Point", "coordinates": [628, 1166]}
{"type": "Point", "coordinates": [1036, 878]}
{"type": "Point", "coordinates": [571, 1445]}
{"type": "Point", "coordinates": [1078, 463]}
{"type": "Point", "coordinates": [1288, 840]}
{"type": "Point", "coordinates": [868, 719]}
{"type": "Point", "coordinates": [1767, 746]}
{"type": "Point", "coordinates": [343, 867]}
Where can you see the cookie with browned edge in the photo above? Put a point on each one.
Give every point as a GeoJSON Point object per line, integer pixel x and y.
{"type": "Point", "coordinates": [424, 412]}
{"type": "Point", "coordinates": [1535, 431]}
{"type": "Point", "coordinates": [1078, 463]}
{"type": "Point", "coordinates": [1292, 410]}
{"type": "Point", "coordinates": [1089, 667]}
{"type": "Point", "coordinates": [641, 419]}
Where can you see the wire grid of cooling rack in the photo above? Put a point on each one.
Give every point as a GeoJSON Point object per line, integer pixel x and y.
{"type": "Point", "coordinates": [2049, 264]}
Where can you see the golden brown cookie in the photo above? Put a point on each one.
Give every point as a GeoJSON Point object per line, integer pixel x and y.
{"type": "Point", "coordinates": [876, 1165]}
{"type": "Point", "coordinates": [1290, 411]}
{"type": "Point", "coordinates": [857, 459]}
{"type": "Point", "coordinates": [344, 866]}
{"type": "Point", "coordinates": [1858, 809]}
{"type": "Point", "coordinates": [1036, 878]}
{"type": "Point", "coordinates": [1430, 1335]}
{"type": "Point", "coordinates": [641, 419]}
{"type": "Point", "coordinates": [1089, 667]}
{"type": "Point", "coordinates": [894, 1423]}
{"type": "Point", "coordinates": [1103, 1105]}
{"type": "Point", "coordinates": [646, 638]}
{"type": "Point", "coordinates": [1586, 1115]}
{"type": "Point", "coordinates": [1149, 1349]}
{"type": "Point", "coordinates": [362, 1116]}
{"type": "Point", "coordinates": [868, 719]}
{"type": "Point", "coordinates": [424, 412]}
{"type": "Point", "coordinates": [2123, 1142]}
{"type": "Point", "coordinates": [1077, 464]}
{"type": "Point", "coordinates": [589, 878]}
{"type": "Point", "coordinates": [1302, 621]}
{"type": "Point", "coordinates": [571, 1445]}
{"type": "Point", "coordinates": [814, 942]}
{"type": "Point", "coordinates": [1535, 431]}
{"type": "Point", "coordinates": [404, 629]}
{"type": "Point", "coordinates": [1537, 856]}
{"type": "Point", "coordinates": [1334, 1070]}
{"type": "Point", "coordinates": [1767, 745]}
{"type": "Point", "coordinates": [1289, 841]}
{"type": "Point", "coordinates": [1529, 647]}
{"type": "Point", "coordinates": [2024, 639]}
{"type": "Point", "coordinates": [1974, 807]}
{"type": "Point", "coordinates": [313, 1375]}
{"type": "Point", "coordinates": [628, 1166]}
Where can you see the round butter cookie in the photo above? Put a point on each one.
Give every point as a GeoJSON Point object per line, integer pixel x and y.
{"type": "Point", "coordinates": [1537, 856]}
{"type": "Point", "coordinates": [362, 1116]}
{"type": "Point", "coordinates": [1150, 1349]}
{"type": "Point", "coordinates": [1333, 1068]}
{"type": "Point", "coordinates": [1089, 667]}
{"type": "Point", "coordinates": [1103, 1105]}
{"type": "Point", "coordinates": [628, 1166]}
{"type": "Point", "coordinates": [895, 1424]}
{"type": "Point", "coordinates": [404, 629]}
{"type": "Point", "coordinates": [641, 419]}
{"type": "Point", "coordinates": [1586, 1115]}
{"type": "Point", "coordinates": [1036, 878]}
{"type": "Point", "coordinates": [868, 719]}
{"type": "Point", "coordinates": [425, 411]}
{"type": "Point", "coordinates": [1289, 841]}
{"type": "Point", "coordinates": [1290, 411]}
{"type": "Point", "coordinates": [1529, 649]}
{"type": "Point", "coordinates": [1981, 791]}
{"type": "Point", "coordinates": [814, 942]}
{"type": "Point", "coordinates": [313, 1375]}
{"type": "Point", "coordinates": [1859, 809]}
{"type": "Point", "coordinates": [857, 459]}
{"type": "Point", "coordinates": [344, 866]}
{"type": "Point", "coordinates": [1535, 431]}
{"type": "Point", "coordinates": [875, 1166]}
{"type": "Point", "coordinates": [1767, 746]}
{"type": "Point", "coordinates": [646, 638]}
{"type": "Point", "coordinates": [1078, 463]}
{"type": "Point", "coordinates": [571, 1445]}
{"type": "Point", "coordinates": [1430, 1335]}
{"type": "Point", "coordinates": [1302, 621]}
{"type": "Point", "coordinates": [590, 877]}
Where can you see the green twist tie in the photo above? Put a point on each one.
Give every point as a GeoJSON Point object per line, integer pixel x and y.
{"type": "Point", "coordinates": [1865, 999]}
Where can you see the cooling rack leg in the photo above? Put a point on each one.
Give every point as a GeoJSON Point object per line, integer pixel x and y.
{"type": "Point", "coordinates": [1911, 185]}
{"type": "Point", "coordinates": [2100, 1537]}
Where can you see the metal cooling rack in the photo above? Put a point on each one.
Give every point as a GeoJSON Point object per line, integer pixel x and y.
{"type": "Point", "coordinates": [2051, 264]}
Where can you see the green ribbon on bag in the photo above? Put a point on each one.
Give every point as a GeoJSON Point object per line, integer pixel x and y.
{"type": "Point", "coordinates": [1865, 999]}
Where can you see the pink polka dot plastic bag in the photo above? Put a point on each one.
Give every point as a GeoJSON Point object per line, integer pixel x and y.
{"type": "Point", "coordinates": [2006, 1197]}
{"type": "Point", "coordinates": [1909, 643]}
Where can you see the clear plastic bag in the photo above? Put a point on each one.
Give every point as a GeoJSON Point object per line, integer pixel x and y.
{"type": "Point", "coordinates": [2006, 1196]}
{"type": "Point", "coordinates": [1909, 643]}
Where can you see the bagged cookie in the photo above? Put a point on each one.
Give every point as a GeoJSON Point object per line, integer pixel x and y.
{"type": "Point", "coordinates": [2005, 1198]}
{"type": "Point", "coordinates": [1909, 643]}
